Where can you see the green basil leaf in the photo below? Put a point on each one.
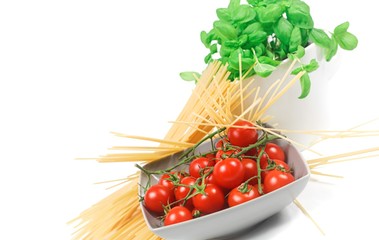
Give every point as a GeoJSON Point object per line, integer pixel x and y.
{"type": "Point", "coordinates": [226, 51]}
{"type": "Point", "coordinates": [311, 66]}
{"type": "Point", "coordinates": [305, 84]}
{"type": "Point", "coordinates": [247, 53]}
{"type": "Point", "coordinates": [320, 38]}
{"type": "Point", "coordinates": [213, 48]}
{"type": "Point", "coordinates": [254, 27]}
{"type": "Point", "coordinates": [225, 30]}
{"type": "Point", "coordinates": [242, 39]}
{"type": "Point", "coordinates": [269, 14]}
{"type": "Point", "coordinates": [282, 52]}
{"type": "Point", "coordinates": [233, 4]}
{"type": "Point", "coordinates": [341, 28]}
{"type": "Point", "coordinates": [231, 44]}
{"type": "Point", "coordinates": [304, 36]}
{"type": "Point", "coordinates": [295, 40]}
{"type": "Point", "coordinates": [204, 39]}
{"type": "Point", "coordinates": [207, 38]}
{"type": "Point", "coordinates": [270, 61]}
{"type": "Point", "coordinates": [234, 63]}
{"type": "Point", "coordinates": [254, 2]}
{"type": "Point", "coordinates": [332, 50]}
{"type": "Point", "coordinates": [291, 56]}
{"type": "Point", "coordinates": [299, 15]}
{"type": "Point", "coordinates": [270, 54]}
{"type": "Point", "coordinates": [208, 58]}
{"type": "Point", "coordinates": [224, 14]}
{"type": "Point", "coordinates": [224, 60]}
{"type": "Point", "coordinates": [283, 30]}
{"type": "Point", "coordinates": [297, 70]}
{"type": "Point", "coordinates": [257, 38]}
{"type": "Point", "coordinates": [243, 14]}
{"type": "Point", "coordinates": [347, 41]}
{"type": "Point", "coordinates": [300, 52]}
{"type": "Point", "coordinates": [260, 50]}
{"type": "Point", "coordinates": [190, 76]}
{"type": "Point", "coordinates": [264, 70]}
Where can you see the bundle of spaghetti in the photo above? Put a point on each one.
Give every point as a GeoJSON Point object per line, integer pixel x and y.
{"type": "Point", "coordinates": [210, 92]}
{"type": "Point", "coordinates": [117, 216]}
{"type": "Point", "coordinates": [213, 103]}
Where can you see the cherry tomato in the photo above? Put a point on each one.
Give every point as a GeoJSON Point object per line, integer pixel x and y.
{"type": "Point", "coordinates": [176, 215]}
{"type": "Point", "coordinates": [274, 151]}
{"type": "Point", "coordinates": [242, 137]}
{"type": "Point", "coordinates": [280, 165]}
{"type": "Point", "coordinates": [268, 166]}
{"type": "Point", "coordinates": [251, 170]}
{"type": "Point", "coordinates": [211, 157]}
{"type": "Point", "coordinates": [252, 152]}
{"type": "Point", "coordinates": [198, 165]}
{"type": "Point", "coordinates": [170, 179]}
{"type": "Point", "coordinates": [222, 154]}
{"type": "Point", "coordinates": [210, 200]}
{"type": "Point", "coordinates": [238, 195]}
{"type": "Point", "coordinates": [158, 196]}
{"type": "Point", "coordinates": [221, 143]}
{"type": "Point", "coordinates": [229, 173]}
{"type": "Point", "coordinates": [276, 179]}
{"type": "Point", "coordinates": [210, 179]}
{"type": "Point", "coordinates": [181, 192]}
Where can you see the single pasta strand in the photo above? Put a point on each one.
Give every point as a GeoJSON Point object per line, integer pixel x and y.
{"type": "Point", "coordinates": [342, 155]}
{"type": "Point", "coordinates": [306, 213]}
{"type": "Point", "coordinates": [325, 174]}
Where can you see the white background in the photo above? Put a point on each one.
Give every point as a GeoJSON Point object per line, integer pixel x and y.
{"type": "Point", "coordinates": [72, 71]}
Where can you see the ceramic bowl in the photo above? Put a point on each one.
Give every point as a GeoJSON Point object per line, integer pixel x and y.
{"type": "Point", "coordinates": [231, 220]}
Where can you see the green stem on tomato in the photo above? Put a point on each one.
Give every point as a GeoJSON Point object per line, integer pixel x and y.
{"type": "Point", "coordinates": [184, 157]}
{"type": "Point", "coordinates": [259, 171]}
{"type": "Point", "coordinates": [262, 141]}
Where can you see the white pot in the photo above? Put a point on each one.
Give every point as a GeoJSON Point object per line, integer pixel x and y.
{"type": "Point", "coordinates": [292, 113]}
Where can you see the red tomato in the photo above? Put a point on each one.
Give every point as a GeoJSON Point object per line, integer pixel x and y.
{"type": "Point", "coordinates": [221, 154]}
{"type": "Point", "coordinates": [274, 151]}
{"type": "Point", "coordinates": [252, 152]}
{"type": "Point", "coordinates": [251, 170]}
{"type": "Point", "coordinates": [181, 192]}
{"type": "Point", "coordinates": [210, 156]}
{"type": "Point", "coordinates": [229, 173]}
{"type": "Point", "coordinates": [238, 196]}
{"type": "Point", "coordinates": [176, 215]}
{"type": "Point", "coordinates": [158, 196]}
{"type": "Point", "coordinates": [170, 179]}
{"type": "Point", "coordinates": [210, 200]}
{"type": "Point", "coordinates": [274, 164]}
{"type": "Point", "coordinates": [280, 165]}
{"type": "Point", "coordinates": [276, 179]}
{"type": "Point", "coordinates": [198, 165]}
{"type": "Point", "coordinates": [221, 143]}
{"type": "Point", "coordinates": [241, 136]}
{"type": "Point", "coordinates": [210, 179]}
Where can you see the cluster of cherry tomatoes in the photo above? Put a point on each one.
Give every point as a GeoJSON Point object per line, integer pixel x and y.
{"type": "Point", "coordinates": [242, 166]}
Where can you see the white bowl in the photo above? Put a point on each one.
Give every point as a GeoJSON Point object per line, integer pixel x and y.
{"type": "Point", "coordinates": [231, 220]}
{"type": "Point", "coordinates": [310, 113]}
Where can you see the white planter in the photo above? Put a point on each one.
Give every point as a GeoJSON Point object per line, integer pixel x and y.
{"type": "Point", "coordinates": [291, 113]}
